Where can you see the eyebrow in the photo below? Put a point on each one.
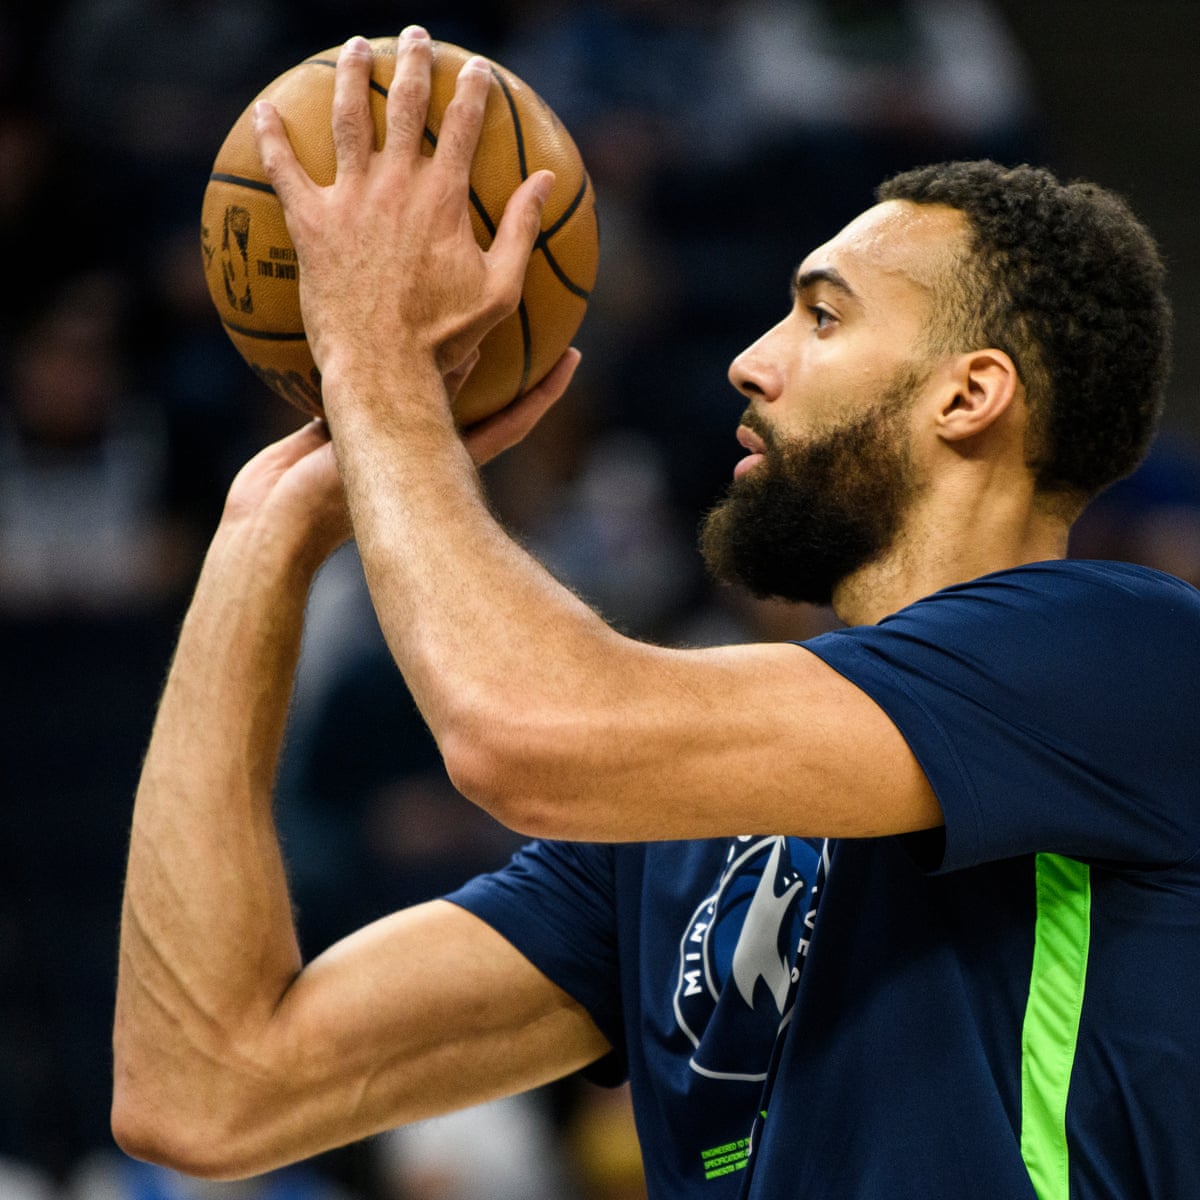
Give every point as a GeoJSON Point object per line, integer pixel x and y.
{"type": "Point", "coordinates": [803, 280]}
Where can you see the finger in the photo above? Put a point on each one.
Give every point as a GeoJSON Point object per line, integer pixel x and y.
{"type": "Point", "coordinates": [492, 436]}
{"type": "Point", "coordinates": [554, 383]}
{"type": "Point", "coordinates": [353, 128]}
{"type": "Point", "coordinates": [277, 456]}
{"type": "Point", "coordinates": [408, 95]}
{"type": "Point", "coordinates": [280, 165]}
{"type": "Point", "coordinates": [463, 119]}
{"type": "Point", "coordinates": [519, 227]}
{"type": "Point", "coordinates": [292, 448]}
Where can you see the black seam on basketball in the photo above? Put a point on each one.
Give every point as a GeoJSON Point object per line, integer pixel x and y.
{"type": "Point", "coordinates": [476, 203]}
{"type": "Point", "coordinates": [258, 185]}
{"type": "Point", "coordinates": [262, 334]}
{"type": "Point", "coordinates": [563, 277]}
{"type": "Point", "coordinates": [546, 234]}
{"type": "Point", "coordinates": [518, 132]}
{"type": "Point", "coordinates": [543, 242]}
{"type": "Point", "coordinates": [527, 347]}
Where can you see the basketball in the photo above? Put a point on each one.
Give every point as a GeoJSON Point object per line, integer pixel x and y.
{"type": "Point", "coordinates": [250, 264]}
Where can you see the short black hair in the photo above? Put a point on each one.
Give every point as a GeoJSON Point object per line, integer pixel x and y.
{"type": "Point", "coordinates": [1066, 280]}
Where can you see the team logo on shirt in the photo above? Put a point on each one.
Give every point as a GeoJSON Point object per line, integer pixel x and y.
{"type": "Point", "coordinates": [737, 957]}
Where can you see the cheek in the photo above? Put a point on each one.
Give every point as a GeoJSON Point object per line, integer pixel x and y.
{"type": "Point", "coordinates": [841, 377]}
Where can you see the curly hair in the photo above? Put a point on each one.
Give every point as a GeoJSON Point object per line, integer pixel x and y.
{"type": "Point", "coordinates": [1068, 282]}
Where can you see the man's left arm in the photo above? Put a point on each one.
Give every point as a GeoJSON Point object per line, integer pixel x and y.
{"type": "Point", "coordinates": [545, 716]}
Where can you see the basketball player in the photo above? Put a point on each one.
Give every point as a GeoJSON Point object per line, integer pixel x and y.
{"type": "Point", "coordinates": [909, 910]}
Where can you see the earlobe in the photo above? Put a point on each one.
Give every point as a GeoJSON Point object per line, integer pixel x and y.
{"type": "Point", "coordinates": [983, 386]}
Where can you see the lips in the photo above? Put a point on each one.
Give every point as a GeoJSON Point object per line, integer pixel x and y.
{"type": "Point", "coordinates": [749, 440]}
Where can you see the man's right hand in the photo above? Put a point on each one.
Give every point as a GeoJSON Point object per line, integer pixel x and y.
{"type": "Point", "coordinates": [292, 486]}
{"type": "Point", "coordinates": [294, 481]}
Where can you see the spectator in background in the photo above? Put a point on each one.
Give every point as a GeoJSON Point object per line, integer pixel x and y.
{"type": "Point", "coordinates": [83, 464]}
{"type": "Point", "coordinates": [49, 232]}
{"type": "Point", "coordinates": [930, 76]}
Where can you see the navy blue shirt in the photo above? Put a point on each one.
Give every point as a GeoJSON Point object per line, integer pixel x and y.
{"type": "Point", "coordinates": [1002, 1009]}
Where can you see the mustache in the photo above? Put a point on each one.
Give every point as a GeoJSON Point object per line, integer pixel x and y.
{"type": "Point", "coordinates": [756, 424]}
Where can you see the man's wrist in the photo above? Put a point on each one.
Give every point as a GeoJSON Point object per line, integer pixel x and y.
{"type": "Point", "coordinates": [272, 554]}
{"type": "Point", "coordinates": [412, 384]}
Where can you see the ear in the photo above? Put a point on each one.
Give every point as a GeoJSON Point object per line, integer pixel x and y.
{"type": "Point", "coordinates": [982, 386]}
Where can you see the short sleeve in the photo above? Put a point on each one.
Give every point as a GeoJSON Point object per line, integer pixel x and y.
{"type": "Point", "coordinates": [1052, 708]}
{"type": "Point", "coordinates": [555, 902]}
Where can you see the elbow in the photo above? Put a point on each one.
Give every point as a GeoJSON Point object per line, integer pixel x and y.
{"type": "Point", "coordinates": [513, 768]}
{"type": "Point", "coordinates": [155, 1138]}
{"type": "Point", "coordinates": [147, 1125]}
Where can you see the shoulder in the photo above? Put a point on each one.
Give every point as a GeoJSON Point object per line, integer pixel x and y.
{"type": "Point", "coordinates": [1072, 680]}
{"type": "Point", "coordinates": [1103, 616]}
{"type": "Point", "coordinates": [1048, 645]}
{"type": "Point", "coordinates": [1062, 606]}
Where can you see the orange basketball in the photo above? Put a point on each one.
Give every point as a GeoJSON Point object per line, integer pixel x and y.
{"type": "Point", "coordinates": [251, 267]}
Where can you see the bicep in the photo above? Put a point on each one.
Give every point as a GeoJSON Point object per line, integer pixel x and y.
{"type": "Point", "coordinates": [423, 1012]}
{"type": "Point", "coordinates": [722, 742]}
{"type": "Point", "coordinates": [860, 775]}
{"type": "Point", "coordinates": [799, 749]}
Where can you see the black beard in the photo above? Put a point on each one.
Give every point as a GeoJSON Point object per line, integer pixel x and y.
{"type": "Point", "coordinates": [815, 511]}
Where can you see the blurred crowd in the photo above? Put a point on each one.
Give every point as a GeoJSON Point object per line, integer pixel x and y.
{"type": "Point", "coordinates": [724, 139]}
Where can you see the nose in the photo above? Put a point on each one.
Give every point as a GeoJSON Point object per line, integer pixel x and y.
{"type": "Point", "coordinates": [755, 372]}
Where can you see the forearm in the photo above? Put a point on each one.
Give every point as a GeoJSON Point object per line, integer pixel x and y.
{"type": "Point", "coordinates": [207, 940]}
{"type": "Point", "coordinates": [486, 638]}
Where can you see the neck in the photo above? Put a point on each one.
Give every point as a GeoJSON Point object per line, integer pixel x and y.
{"type": "Point", "coordinates": [948, 540]}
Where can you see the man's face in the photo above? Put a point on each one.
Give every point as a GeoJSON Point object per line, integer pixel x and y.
{"type": "Point", "coordinates": [816, 509]}
{"type": "Point", "coordinates": [833, 421]}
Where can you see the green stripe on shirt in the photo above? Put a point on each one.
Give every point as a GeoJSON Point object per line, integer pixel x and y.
{"type": "Point", "coordinates": [1050, 1033]}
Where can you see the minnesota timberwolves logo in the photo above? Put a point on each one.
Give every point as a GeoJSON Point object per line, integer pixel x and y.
{"type": "Point", "coordinates": [738, 953]}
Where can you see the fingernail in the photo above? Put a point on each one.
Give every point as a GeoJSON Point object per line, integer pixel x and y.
{"type": "Point", "coordinates": [358, 45]}
{"type": "Point", "coordinates": [414, 32]}
{"type": "Point", "coordinates": [260, 112]}
{"type": "Point", "coordinates": [477, 65]}
{"type": "Point", "coordinates": [544, 186]}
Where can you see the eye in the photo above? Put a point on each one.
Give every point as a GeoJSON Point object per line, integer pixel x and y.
{"type": "Point", "coordinates": [822, 317]}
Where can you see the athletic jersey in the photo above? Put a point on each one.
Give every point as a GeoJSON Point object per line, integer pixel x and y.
{"type": "Point", "coordinates": [1003, 1009]}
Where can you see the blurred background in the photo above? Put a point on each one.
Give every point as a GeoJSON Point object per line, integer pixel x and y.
{"type": "Point", "coordinates": [725, 140]}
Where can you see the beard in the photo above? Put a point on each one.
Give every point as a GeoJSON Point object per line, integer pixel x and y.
{"type": "Point", "coordinates": [816, 509]}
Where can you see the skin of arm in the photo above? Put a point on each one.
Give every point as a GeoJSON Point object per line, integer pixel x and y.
{"type": "Point", "coordinates": [544, 715]}
{"type": "Point", "coordinates": [229, 1057]}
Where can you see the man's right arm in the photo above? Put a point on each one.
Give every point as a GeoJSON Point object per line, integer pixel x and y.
{"type": "Point", "coordinates": [231, 1056]}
